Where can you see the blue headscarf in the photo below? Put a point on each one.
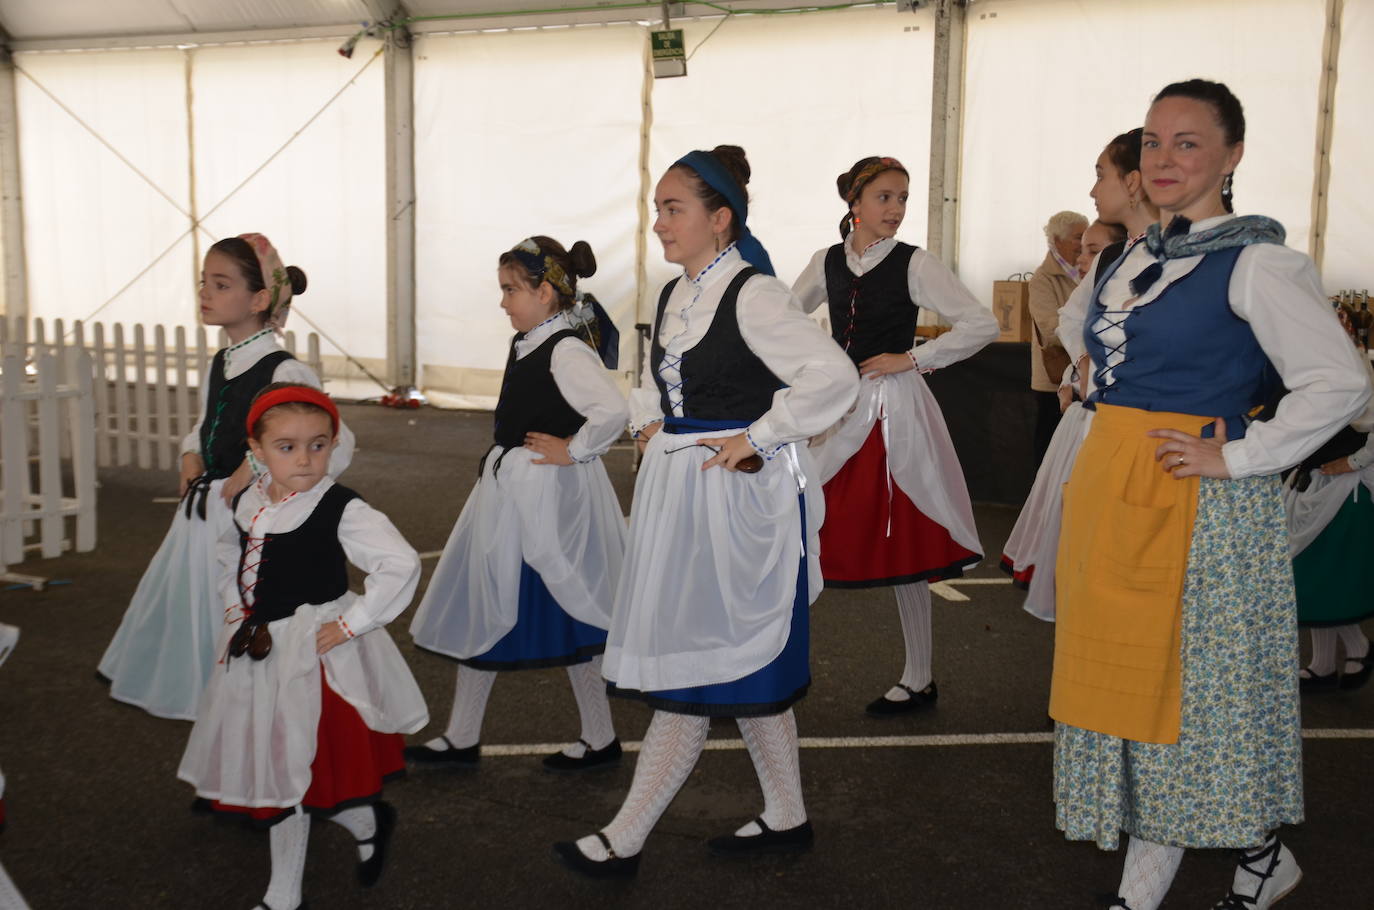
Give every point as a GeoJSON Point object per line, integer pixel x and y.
{"type": "Point", "coordinates": [719, 179]}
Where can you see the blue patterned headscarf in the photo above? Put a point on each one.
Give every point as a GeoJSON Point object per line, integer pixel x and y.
{"type": "Point", "coordinates": [718, 178]}
{"type": "Point", "coordinates": [1175, 242]}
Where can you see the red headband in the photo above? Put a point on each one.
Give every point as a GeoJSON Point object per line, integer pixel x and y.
{"type": "Point", "coordinates": [302, 393]}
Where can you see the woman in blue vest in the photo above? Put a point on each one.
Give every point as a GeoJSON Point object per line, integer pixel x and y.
{"type": "Point", "coordinates": [900, 515]}
{"type": "Point", "coordinates": [1175, 685]}
{"type": "Point", "coordinates": [710, 617]}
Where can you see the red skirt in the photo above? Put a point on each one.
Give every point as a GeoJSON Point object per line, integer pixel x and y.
{"type": "Point", "coordinates": [351, 763]}
{"type": "Point", "coordinates": [857, 549]}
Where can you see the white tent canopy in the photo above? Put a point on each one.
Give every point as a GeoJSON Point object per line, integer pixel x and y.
{"type": "Point", "coordinates": [145, 130]}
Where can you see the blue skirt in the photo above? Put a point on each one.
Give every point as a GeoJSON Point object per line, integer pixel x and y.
{"type": "Point", "coordinates": [543, 635]}
{"type": "Point", "coordinates": [771, 689]}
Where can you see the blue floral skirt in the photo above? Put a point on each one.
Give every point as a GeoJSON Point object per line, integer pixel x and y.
{"type": "Point", "coordinates": [1235, 773]}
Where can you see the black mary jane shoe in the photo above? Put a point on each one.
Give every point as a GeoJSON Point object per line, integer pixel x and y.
{"type": "Point", "coordinates": [611, 867]}
{"type": "Point", "coordinates": [886, 707]}
{"type": "Point", "coordinates": [370, 869]}
{"type": "Point", "coordinates": [1113, 902]}
{"type": "Point", "coordinates": [1313, 683]}
{"type": "Point", "coordinates": [202, 806]}
{"type": "Point", "coordinates": [591, 758]}
{"type": "Point", "coordinates": [424, 755]}
{"type": "Point", "coordinates": [793, 840]}
{"type": "Point", "coordinates": [1357, 679]}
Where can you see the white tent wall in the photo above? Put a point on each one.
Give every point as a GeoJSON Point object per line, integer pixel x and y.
{"type": "Point", "coordinates": [519, 133]}
{"type": "Point", "coordinates": [806, 96]}
{"type": "Point", "coordinates": [91, 224]}
{"type": "Point", "coordinates": [1050, 82]}
{"type": "Point", "coordinates": [1349, 260]}
{"type": "Point", "coordinates": [322, 200]}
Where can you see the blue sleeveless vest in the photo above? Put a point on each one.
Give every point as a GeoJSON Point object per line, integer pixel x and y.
{"type": "Point", "coordinates": [1186, 351]}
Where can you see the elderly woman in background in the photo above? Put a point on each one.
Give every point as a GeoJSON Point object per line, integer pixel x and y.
{"type": "Point", "coordinates": [1050, 287]}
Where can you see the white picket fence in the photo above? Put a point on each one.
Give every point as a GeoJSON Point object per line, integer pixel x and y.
{"type": "Point", "coordinates": [46, 410]}
{"type": "Point", "coordinates": [147, 391]}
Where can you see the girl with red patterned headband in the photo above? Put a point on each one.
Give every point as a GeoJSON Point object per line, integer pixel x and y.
{"type": "Point", "coordinates": [898, 512]}
{"type": "Point", "coordinates": [163, 652]}
{"type": "Point", "coordinates": [304, 714]}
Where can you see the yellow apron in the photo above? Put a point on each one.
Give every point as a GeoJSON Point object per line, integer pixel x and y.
{"type": "Point", "coordinates": [1123, 554]}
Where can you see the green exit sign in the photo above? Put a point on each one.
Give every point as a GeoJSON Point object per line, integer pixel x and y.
{"type": "Point", "coordinates": [669, 53]}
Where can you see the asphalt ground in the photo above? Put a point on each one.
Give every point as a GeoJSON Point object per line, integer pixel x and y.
{"type": "Point", "coordinates": [97, 818]}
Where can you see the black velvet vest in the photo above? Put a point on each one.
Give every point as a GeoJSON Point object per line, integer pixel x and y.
{"type": "Point", "coordinates": [871, 313]}
{"type": "Point", "coordinates": [530, 400]}
{"type": "Point", "coordinates": [223, 436]}
{"type": "Point", "coordinates": [1105, 259]}
{"type": "Point", "coordinates": [304, 566]}
{"type": "Point", "coordinates": [721, 378]}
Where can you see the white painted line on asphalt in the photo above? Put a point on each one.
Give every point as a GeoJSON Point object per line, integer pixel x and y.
{"type": "Point", "coordinates": [432, 554]}
{"type": "Point", "coordinates": [945, 589]}
{"type": "Point", "coordinates": [884, 742]}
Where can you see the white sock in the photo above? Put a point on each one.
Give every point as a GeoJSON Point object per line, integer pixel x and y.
{"type": "Point", "coordinates": [361, 822]}
{"type": "Point", "coordinates": [470, 694]}
{"type": "Point", "coordinates": [1149, 871]}
{"type": "Point", "coordinates": [592, 706]}
{"type": "Point", "coordinates": [1323, 660]}
{"type": "Point", "coordinates": [10, 898]}
{"type": "Point", "coordinates": [913, 608]}
{"type": "Point", "coordinates": [772, 744]}
{"type": "Point", "coordinates": [672, 745]}
{"type": "Point", "coordinates": [1356, 646]}
{"type": "Point", "coordinates": [288, 839]}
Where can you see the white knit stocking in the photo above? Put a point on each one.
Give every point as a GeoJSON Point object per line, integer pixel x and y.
{"type": "Point", "coordinates": [592, 706]}
{"type": "Point", "coordinates": [470, 695]}
{"type": "Point", "coordinates": [288, 839]}
{"type": "Point", "coordinates": [913, 608]}
{"type": "Point", "coordinates": [1355, 643]}
{"type": "Point", "coordinates": [1149, 871]}
{"type": "Point", "coordinates": [672, 745]}
{"type": "Point", "coordinates": [10, 898]}
{"type": "Point", "coordinates": [361, 822]}
{"type": "Point", "coordinates": [772, 744]}
{"type": "Point", "coordinates": [1323, 661]}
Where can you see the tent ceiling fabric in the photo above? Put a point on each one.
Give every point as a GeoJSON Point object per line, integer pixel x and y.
{"type": "Point", "coordinates": [26, 20]}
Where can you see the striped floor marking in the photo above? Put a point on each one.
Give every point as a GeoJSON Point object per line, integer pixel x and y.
{"type": "Point", "coordinates": [947, 590]}
{"type": "Point", "coordinates": [885, 742]}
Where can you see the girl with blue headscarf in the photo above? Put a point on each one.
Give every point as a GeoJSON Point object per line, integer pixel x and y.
{"type": "Point", "coordinates": [710, 617]}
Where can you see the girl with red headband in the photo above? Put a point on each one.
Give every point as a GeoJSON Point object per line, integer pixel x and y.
{"type": "Point", "coordinates": [528, 575]}
{"type": "Point", "coordinates": [898, 511]}
{"type": "Point", "coordinates": [163, 651]}
{"type": "Point", "coordinates": [304, 714]}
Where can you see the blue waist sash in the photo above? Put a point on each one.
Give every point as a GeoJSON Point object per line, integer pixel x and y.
{"type": "Point", "coordinates": [692, 425]}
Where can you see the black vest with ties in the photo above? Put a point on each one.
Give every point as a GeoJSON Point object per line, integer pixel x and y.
{"type": "Point", "coordinates": [304, 566]}
{"type": "Point", "coordinates": [223, 436]}
{"type": "Point", "coordinates": [530, 401]}
{"type": "Point", "coordinates": [872, 313]}
{"type": "Point", "coordinates": [721, 378]}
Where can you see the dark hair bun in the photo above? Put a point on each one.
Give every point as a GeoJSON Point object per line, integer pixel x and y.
{"type": "Point", "coordinates": [731, 157]}
{"type": "Point", "coordinates": [297, 277]}
{"type": "Point", "coordinates": [583, 259]}
{"type": "Point", "coordinates": [843, 184]}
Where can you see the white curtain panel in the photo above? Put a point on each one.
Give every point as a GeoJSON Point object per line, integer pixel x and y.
{"type": "Point", "coordinates": [1349, 261]}
{"type": "Point", "coordinates": [322, 202]}
{"type": "Point", "coordinates": [91, 224]}
{"type": "Point", "coordinates": [805, 96]}
{"type": "Point", "coordinates": [520, 133]}
{"type": "Point", "coordinates": [1050, 82]}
